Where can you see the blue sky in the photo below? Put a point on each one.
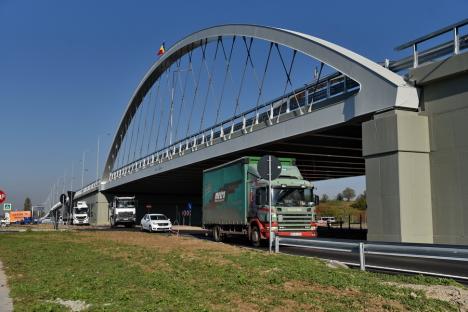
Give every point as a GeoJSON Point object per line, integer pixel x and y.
{"type": "Point", "coordinates": [68, 68]}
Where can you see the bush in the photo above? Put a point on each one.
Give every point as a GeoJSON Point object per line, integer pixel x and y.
{"type": "Point", "coordinates": [361, 202]}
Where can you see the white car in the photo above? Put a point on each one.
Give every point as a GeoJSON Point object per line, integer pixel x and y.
{"type": "Point", "coordinates": [326, 220]}
{"type": "Point", "coordinates": [154, 222]}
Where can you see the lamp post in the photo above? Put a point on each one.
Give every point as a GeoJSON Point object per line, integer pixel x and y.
{"type": "Point", "coordinates": [82, 169]}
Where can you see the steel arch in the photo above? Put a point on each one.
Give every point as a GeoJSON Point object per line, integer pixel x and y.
{"type": "Point", "coordinates": [378, 84]}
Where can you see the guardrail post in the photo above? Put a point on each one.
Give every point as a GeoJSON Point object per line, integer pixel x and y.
{"type": "Point", "coordinates": [277, 243]}
{"type": "Point", "coordinates": [415, 55]}
{"type": "Point", "coordinates": [362, 259]}
{"type": "Point", "coordinates": [456, 41]}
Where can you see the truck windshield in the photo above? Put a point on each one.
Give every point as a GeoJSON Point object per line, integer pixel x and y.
{"type": "Point", "coordinates": [125, 204]}
{"type": "Point", "coordinates": [291, 197]}
{"type": "Point", "coordinates": [81, 210]}
{"type": "Point", "coordinates": [158, 217]}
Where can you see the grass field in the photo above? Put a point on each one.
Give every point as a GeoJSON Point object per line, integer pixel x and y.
{"type": "Point", "coordinates": [132, 271]}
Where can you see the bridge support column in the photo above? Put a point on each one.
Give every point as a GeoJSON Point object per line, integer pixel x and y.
{"type": "Point", "coordinates": [396, 151]}
{"type": "Point", "coordinates": [98, 208]}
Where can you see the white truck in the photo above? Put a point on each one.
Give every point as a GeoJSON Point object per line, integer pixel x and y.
{"type": "Point", "coordinates": [6, 220]}
{"type": "Point", "coordinates": [122, 211]}
{"type": "Point", "coordinates": [80, 213]}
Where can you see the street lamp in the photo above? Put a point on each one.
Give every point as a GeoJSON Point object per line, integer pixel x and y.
{"type": "Point", "coordinates": [83, 169]}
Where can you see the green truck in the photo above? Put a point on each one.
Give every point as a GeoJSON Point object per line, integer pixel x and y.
{"type": "Point", "coordinates": [235, 201]}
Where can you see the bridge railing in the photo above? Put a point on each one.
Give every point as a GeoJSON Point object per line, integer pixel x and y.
{"type": "Point", "coordinates": [90, 187]}
{"type": "Point", "coordinates": [452, 47]}
{"type": "Point", "coordinates": [302, 100]}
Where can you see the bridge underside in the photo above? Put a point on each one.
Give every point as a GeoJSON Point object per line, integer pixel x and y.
{"type": "Point", "coordinates": [327, 154]}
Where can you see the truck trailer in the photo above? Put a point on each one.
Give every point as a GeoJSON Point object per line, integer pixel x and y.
{"type": "Point", "coordinates": [235, 201]}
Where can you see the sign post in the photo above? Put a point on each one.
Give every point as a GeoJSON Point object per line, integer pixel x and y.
{"type": "Point", "coordinates": [269, 167]}
{"type": "Point", "coordinates": [189, 208]}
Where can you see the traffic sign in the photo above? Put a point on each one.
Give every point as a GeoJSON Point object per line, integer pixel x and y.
{"type": "Point", "coordinates": [6, 206]}
{"type": "Point", "coordinates": [263, 167]}
{"type": "Point", "coordinates": [189, 206]}
{"type": "Point", "coordinates": [2, 196]}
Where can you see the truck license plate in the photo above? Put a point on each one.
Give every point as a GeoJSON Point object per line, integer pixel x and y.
{"type": "Point", "coordinates": [296, 234]}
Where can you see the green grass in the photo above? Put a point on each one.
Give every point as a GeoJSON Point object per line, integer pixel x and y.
{"type": "Point", "coordinates": [112, 276]}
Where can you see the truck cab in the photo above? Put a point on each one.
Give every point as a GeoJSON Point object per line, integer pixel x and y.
{"type": "Point", "coordinates": [81, 213]}
{"type": "Point", "coordinates": [292, 200]}
{"type": "Point", "coordinates": [122, 211]}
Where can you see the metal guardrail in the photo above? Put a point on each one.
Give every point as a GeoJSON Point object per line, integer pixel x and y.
{"type": "Point", "coordinates": [454, 46]}
{"type": "Point", "coordinates": [383, 249]}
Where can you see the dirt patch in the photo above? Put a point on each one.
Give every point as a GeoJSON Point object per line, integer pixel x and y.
{"type": "Point", "coordinates": [162, 243]}
{"type": "Point", "coordinates": [451, 294]}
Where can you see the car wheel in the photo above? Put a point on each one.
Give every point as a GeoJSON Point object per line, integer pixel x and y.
{"type": "Point", "coordinates": [255, 236]}
{"type": "Point", "coordinates": [217, 234]}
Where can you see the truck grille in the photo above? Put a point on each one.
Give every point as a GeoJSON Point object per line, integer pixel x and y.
{"type": "Point", "coordinates": [125, 214]}
{"type": "Point", "coordinates": [294, 221]}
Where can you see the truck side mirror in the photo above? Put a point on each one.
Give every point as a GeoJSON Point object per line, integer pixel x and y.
{"type": "Point", "coordinates": [316, 200]}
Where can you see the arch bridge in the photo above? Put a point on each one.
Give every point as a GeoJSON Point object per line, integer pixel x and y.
{"type": "Point", "coordinates": [235, 90]}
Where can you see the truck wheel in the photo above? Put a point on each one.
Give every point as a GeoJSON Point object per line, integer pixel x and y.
{"type": "Point", "coordinates": [217, 233]}
{"type": "Point", "coordinates": [255, 236]}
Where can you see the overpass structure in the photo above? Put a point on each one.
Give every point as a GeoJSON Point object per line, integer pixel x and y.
{"type": "Point", "coordinates": [404, 131]}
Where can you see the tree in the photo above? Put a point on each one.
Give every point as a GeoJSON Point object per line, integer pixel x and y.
{"type": "Point", "coordinates": [27, 204]}
{"type": "Point", "coordinates": [349, 193]}
{"type": "Point", "coordinates": [361, 202]}
{"type": "Point", "coordinates": [324, 198]}
{"type": "Point", "coordinates": [339, 197]}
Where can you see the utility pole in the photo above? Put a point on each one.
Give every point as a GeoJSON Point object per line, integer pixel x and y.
{"type": "Point", "coordinates": [82, 169]}
{"type": "Point", "coordinates": [97, 160]}
{"type": "Point", "coordinates": [72, 177]}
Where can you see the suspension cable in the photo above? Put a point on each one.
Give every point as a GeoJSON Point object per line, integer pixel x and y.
{"type": "Point", "coordinates": [242, 80]}
{"type": "Point", "coordinates": [210, 83]}
{"type": "Point", "coordinates": [182, 100]}
{"type": "Point", "coordinates": [260, 91]}
{"type": "Point", "coordinates": [140, 112]}
{"type": "Point", "coordinates": [288, 77]}
{"type": "Point", "coordinates": [162, 111]}
{"type": "Point", "coordinates": [152, 119]}
{"type": "Point", "coordinates": [249, 56]}
{"type": "Point", "coordinates": [131, 137]}
{"type": "Point", "coordinates": [196, 82]}
{"type": "Point", "coordinates": [148, 106]}
{"type": "Point", "coordinates": [228, 66]}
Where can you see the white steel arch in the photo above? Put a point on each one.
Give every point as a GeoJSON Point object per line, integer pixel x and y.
{"type": "Point", "coordinates": [378, 84]}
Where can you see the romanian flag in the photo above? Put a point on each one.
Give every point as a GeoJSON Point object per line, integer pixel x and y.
{"type": "Point", "coordinates": [162, 50]}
